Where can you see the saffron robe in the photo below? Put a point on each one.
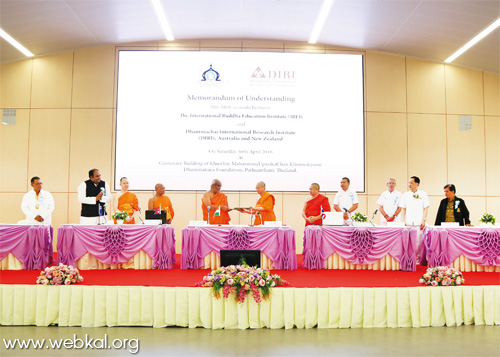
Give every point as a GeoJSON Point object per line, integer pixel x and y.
{"type": "Point", "coordinates": [313, 208]}
{"type": "Point", "coordinates": [265, 201]}
{"type": "Point", "coordinates": [166, 205]}
{"type": "Point", "coordinates": [218, 199]}
{"type": "Point", "coordinates": [129, 203]}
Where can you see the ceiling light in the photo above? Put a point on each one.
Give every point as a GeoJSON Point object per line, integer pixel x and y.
{"type": "Point", "coordinates": [14, 43]}
{"type": "Point", "coordinates": [162, 18]}
{"type": "Point", "coordinates": [475, 40]}
{"type": "Point", "coordinates": [320, 20]}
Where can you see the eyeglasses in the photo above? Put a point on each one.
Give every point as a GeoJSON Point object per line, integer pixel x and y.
{"type": "Point", "coordinates": [217, 185]}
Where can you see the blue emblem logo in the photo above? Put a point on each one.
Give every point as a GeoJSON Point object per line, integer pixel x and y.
{"type": "Point", "coordinates": [210, 75]}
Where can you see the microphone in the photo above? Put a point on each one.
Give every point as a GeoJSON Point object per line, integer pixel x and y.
{"type": "Point", "coordinates": [140, 215]}
{"type": "Point", "coordinates": [374, 213]}
{"type": "Point", "coordinates": [103, 190]}
{"type": "Point", "coordinates": [251, 218]}
{"type": "Point", "coordinates": [208, 215]}
{"type": "Point", "coordinates": [348, 214]}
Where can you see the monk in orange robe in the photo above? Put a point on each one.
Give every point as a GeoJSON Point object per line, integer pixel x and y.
{"type": "Point", "coordinates": [126, 201]}
{"type": "Point", "coordinates": [264, 206]}
{"type": "Point", "coordinates": [160, 199]}
{"type": "Point", "coordinates": [313, 206]}
{"type": "Point", "coordinates": [217, 201]}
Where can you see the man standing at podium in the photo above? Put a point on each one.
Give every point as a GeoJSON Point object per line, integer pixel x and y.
{"type": "Point", "coordinates": [215, 202]}
{"type": "Point", "coordinates": [313, 206]}
{"type": "Point", "coordinates": [346, 200]}
{"type": "Point", "coordinates": [93, 194]}
{"type": "Point", "coordinates": [37, 204]}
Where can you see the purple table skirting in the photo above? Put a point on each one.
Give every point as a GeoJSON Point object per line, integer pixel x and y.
{"type": "Point", "coordinates": [277, 243]}
{"type": "Point", "coordinates": [360, 245]}
{"type": "Point", "coordinates": [31, 245]}
{"type": "Point", "coordinates": [116, 244]}
{"type": "Point", "coordinates": [441, 246]}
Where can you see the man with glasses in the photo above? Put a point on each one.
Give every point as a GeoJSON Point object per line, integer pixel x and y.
{"type": "Point", "coordinates": [215, 205]}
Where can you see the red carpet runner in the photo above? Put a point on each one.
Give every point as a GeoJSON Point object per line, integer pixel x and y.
{"type": "Point", "coordinates": [301, 278]}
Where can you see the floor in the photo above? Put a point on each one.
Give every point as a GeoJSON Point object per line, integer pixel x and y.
{"type": "Point", "coordinates": [432, 341]}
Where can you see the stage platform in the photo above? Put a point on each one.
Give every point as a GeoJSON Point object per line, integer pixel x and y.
{"type": "Point", "coordinates": [315, 298]}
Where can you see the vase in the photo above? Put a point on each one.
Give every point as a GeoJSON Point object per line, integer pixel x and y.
{"type": "Point", "coordinates": [489, 224]}
{"type": "Point", "coordinates": [361, 224]}
{"type": "Point", "coordinates": [119, 221]}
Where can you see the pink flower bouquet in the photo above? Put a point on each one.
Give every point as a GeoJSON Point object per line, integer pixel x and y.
{"type": "Point", "coordinates": [442, 276]}
{"type": "Point", "coordinates": [242, 280]}
{"type": "Point", "coordinates": [59, 275]}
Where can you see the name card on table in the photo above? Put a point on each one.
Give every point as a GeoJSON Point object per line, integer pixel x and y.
{"type": "Point", "coordinates": [273, 224]}
{"type": "Point", "coordinates": [198, 223]}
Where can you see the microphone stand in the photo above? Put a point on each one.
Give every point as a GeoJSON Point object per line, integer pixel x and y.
{"type": "Point", "coordinates": [251, 217]}
{"type": "Point", "coordinates": [349, 216]}
{"type": "Point", "coordinates": [374, 213]}
{"type": "Point", "coordinates": [208, 216]}
{"type": "Point", "coordinates": [140, 216]}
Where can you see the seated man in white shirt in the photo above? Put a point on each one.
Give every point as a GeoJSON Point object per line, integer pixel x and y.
{"type": "Point", "coordinates": [93, 194]}
{"type": "Point", "coordinates": [346, 200]}
{"type": "Point", "coordinates": [37, 204]}
{"type": "Point", "coordinates": [388, 203]}
{"type": "Point", "coordinates": [415, 204]}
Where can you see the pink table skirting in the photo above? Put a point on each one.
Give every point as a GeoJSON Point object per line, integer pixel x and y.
{"type": "Point", "coordinates": [441, 246]}
{"type": "Point", "coordinates": [31, 245]}
{"type": "Point", "coordinates": [360, 245]}
{"type": "Point", "coordinates": [116, 244]}
{"type": "Point", "coordinates": [277, 243]}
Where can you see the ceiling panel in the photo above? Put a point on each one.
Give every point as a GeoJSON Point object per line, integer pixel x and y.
{"type": "Point", "coordinates": [432, 29]}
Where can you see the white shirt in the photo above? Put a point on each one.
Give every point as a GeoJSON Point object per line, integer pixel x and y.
{"type": "Point", "coordinates": [345, 199]}
{"type": "Point", "coordinates": [390, 203]}
{"type": "Point", "coordinates": [82, 194]}
{"type": "Point", "coordinates": [44, 202]}
{"type": "Point", "coordinates": [414, 203]}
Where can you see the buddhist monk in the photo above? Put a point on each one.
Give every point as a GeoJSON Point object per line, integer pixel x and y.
{"type": "Point", "coordinates": [160, 199]}
{"type": "Point", "coordinates": [215, 200]}
{"type": "Point", "coordinates": [313, 205]}
{"type": "Point", "coordinates": [126, 201]}
{"type": "Point", "coordinates": [264, 206]}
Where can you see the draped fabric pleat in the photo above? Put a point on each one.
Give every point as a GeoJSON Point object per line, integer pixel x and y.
{"type": "Point", "coordinates": [95, 306]}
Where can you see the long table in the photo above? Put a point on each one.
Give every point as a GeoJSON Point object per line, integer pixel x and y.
{"type": "Point", "coordinates": [28, 246]}
{"type": "Point", "coordinates": [360, 247]}
{"type": "Point", "coordinates": [276, 243]}
{"type": "Point", "coordinates": [112, 245]}
{"type": "Point", "coordinates": [464, 248]}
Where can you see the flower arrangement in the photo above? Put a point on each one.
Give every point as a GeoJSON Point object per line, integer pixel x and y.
{"type": "Point", "coordinates": [120, 216]}
{"type": "Point", "coordinates": [242, 280]}
{"type": "Point", "coordinates": [442, 276]}
{"type": "Point", "coordinates": [359, 217]}
{"type": "Point", "coordinates": [487, 218]}
{"type": "Point", "coordinates": [59, 275]}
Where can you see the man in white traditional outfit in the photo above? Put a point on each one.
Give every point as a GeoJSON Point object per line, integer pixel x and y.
{"type": "Point", "coordinates": [388, 203]}
{"type": "Point", "coordinates": [93, 194]}
{"type": "Point", "coordinates": [37, 204]}
{"type": "Point", "coordinates": [415, 205]}
{"type": "Point", "coordinates": [346, 200]}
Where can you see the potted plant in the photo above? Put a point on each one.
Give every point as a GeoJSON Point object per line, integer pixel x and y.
{"type": "Point", "coordinates": [487, 220]}
{"type": "Point", "coordinates": [359, 219]}
{"type": "Point", "coordinates": [120, 216]}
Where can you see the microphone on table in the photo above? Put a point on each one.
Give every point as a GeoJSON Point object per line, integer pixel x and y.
{"type": "Point", "coordinates": [140, 215]}
{"type": "Point", "coordinates": [374, 213]}
{"type": "Point", "coordinates": [348, 214]}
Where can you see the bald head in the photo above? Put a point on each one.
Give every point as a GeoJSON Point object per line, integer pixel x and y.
{"type": "Point", "coordinates": [160, 189]}
{"type": "Point", "coordinates": [260, 187]}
